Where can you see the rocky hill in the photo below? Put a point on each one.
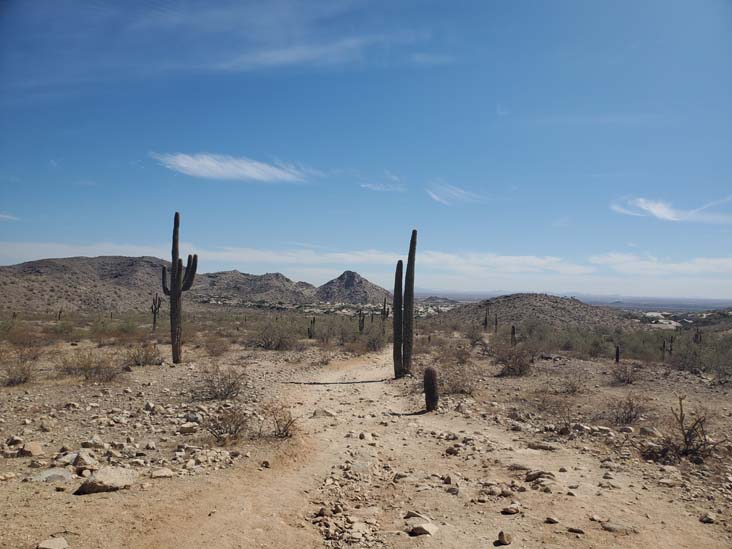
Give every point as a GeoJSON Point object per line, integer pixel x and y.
{"type": "Point", "coordinates": [351, 287]}
{"type": "Point", "coordinates": [116, 283]}
{"type": "Point", "coordinates": [546, 309]}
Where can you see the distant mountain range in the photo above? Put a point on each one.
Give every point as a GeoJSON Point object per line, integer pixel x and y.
{"type": "Point", "coordinates": [115, 283]}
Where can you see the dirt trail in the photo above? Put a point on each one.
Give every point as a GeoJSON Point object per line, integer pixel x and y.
{"type": "Point", "coordinates": [401, 463]}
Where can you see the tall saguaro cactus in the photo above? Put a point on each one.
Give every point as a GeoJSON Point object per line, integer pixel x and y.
{"type": "Point", "coordinates": [155, 309]}
{"type": "Point", "coordinates": [179, 283]}
{"type": "Point", "coordinates": [408, 319]}
{"type": "Point", "coordinates": [403, 308]}
{"type": "Point", "coordinates": [397, 320]}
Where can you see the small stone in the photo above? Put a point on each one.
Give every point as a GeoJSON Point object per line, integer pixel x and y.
{"type": "Point", "coordinates": [188, 428]}
{"type": "Point", "coordinates": [31, 449]}
{"type": "Point", "coordinates": [504, 538]}
{"type": "Point", "coordinates": [575, 530]}
{"type": "Point", "coordinates": [53, 543]}
{"type": "Point", "coordinates": [551, 520]}
{"type": "Point", "coordinates": [708, 518]}
{"type": "Point", "coordinates": [511, 510]}
{"type": "Point", "coordinates": [427, 528]}
{"type": "Point", "coordinates": [163, 472]}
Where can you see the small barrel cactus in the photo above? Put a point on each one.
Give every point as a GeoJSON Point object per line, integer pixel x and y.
{"type": "Point", "coordinates": [431, 395]}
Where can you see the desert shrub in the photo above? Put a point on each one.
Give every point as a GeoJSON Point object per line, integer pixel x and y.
{"type": "Point", "coordinates": [474, 334]}
{"type": "Point", "coordinates": [220, 384]}
{"type": "Point", "coordinates": [516, 361]}
{"type": "Point", "coordinates": [625, 373]}
{"type": "Point", "coordinates": [280, 418]}
{"type": "Point", "coordinates": [572, 384]}
{"type": "Point", "coordinates": [557, 409]}
{"type": "Point", "coordinates": [688, 438]}
{"type": "Point", "coordinates": [144, 354]}
{"type": "Point", "coordinates": [216, 345]}
{"type": "Point", "coordinates": [228, 426]}
{"type": "Point", "coordinates": [459, 378]}
{"type": "Point", "coordinates": [15, 369]}
{"type": "Point", "coordinates": [274, 336]}
{"type": "Point", "coordinates": [453, 354]}
{"type": "Point", "coordinates": [91, 366]}
{"type": "Point", "coordinates": [626, 411]}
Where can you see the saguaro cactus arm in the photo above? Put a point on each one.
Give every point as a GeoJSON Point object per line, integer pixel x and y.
{"type": "Point", "coordinates": [166, 290]}
{"type": "Point", "coordinates": [191, 268]}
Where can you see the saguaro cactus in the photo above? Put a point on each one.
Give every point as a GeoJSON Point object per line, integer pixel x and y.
{"type": "Point", "coordinates": [617, 354]}
{"type": "Point", "coordinates": [431, 394]}
{"type": "Point", "coordinates": [179, 283]}
{"type": "Point", "coordinates": [155, 309]}
{"type": "Point", "coordinates": [513, 336]}
{"type": "Point", "coordinates": [408, 317]}
{"type": "Point", "coordinates": [397, 320]}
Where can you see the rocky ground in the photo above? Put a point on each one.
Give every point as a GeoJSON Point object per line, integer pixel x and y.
{"type": "Point", "coordinates": [366, 468]}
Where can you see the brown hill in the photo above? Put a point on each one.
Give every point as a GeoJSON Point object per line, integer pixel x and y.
{"type": "Point", "coordinates": [116, 283]}
{"type": "Point", "coordinates": [546, 309]}
{"type": "Point", "coordinates": [352, 288]}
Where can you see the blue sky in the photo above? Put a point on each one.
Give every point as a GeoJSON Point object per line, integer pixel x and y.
{"type": "Point", "coordinates": [567, 146]}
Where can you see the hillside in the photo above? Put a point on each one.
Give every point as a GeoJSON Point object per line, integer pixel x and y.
{"type": "Point", "coordinates": [116, 283]}
{"type": "Point", "coordinates": [546, 309]}
{"type": "Point", "coordinates": [351, 287]}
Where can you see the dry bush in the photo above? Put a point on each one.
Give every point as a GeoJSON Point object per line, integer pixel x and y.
{"type": "Point", "coordinates": [228, 426]}
{"type": "Point", "coordinates": [687, 439]}
{"type": "Point", "coordinates": [627, 411]}
{"type": "Point", "coordinates": [144, 354]}
{"type": "Point", "coordinates": [216, 345]}
{"type": "Point", "coordinates": [459, 378]}
{"type": "Point", "coordinates": [625, 373]}
{"type": "Point", "coordinates": [558, 409]}
{"type": "Point", "coordinates": [516, 361]}
{"type": "Point", "coordinates": [572, 384]}
{"type": "Point", "coordinates": [474, 335]}
{"type": "Point", "coordinates": [274, 336]}
{"type": "Point", "coordinates": [280, 417]}
{"type": "Point", "coordinates": [16, 370]}
{"type": "Point", "coordinates": [91, 366]}
{"type": "Point", "coordinates": [220, 384]}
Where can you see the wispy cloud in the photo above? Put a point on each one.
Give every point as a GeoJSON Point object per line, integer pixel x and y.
{"type": "Point", "coordinates": [432, 59]}
{"type": "Point", "coordinates": [450, 195]}
{"type": "Point", "coordinates": [384, 187]}
{"type": "Point", "coordinates": [634, 264]}
{"type": "Point", "coordinates": [8, 217]}
{"type": "Point", "coordinates": [216, 166]}
{"type": "Point", "coordinates": [645, 207]}
{"type": "Point", "coordinates": [464, 263]}
{"type": "Point", "coordinates": [331, 53]}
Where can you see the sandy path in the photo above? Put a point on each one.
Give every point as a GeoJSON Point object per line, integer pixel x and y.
{"type": "Point", "coordinates": [252, 507]}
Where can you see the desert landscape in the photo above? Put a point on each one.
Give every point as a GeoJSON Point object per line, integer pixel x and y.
{"type": "Point", "coordinates": [348, 274]}
{"type": "Point", "coordinates": [350, 416]}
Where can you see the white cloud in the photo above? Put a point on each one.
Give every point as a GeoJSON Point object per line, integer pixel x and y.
{"type": "Point", "coordinates": [384, 187]}
{"type": "Point", "coordinates": [450, 194]}
{"type": "Point", "coordinates": [633, 264]}
{"type": "Point", "coordinates": [432, 59]}
{"type": "Point", "coordinates": [216, 166]}
{"type": "Point", "coordinates": [8, 217]}
{"type": "Point", "coordinates": [645, 207]}
{"type": "Point", "coordinates": [332, 53]}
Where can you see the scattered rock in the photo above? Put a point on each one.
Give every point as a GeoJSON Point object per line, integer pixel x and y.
{"type": "Point", "coordinates": [708, 518]}
{"type": "Point", "coordinates": [504, 538]}
{"type": "Point", "coordinates": [31, 449]}
{"type": "Point", "coordinates": [107, 479]}
{"type": "Point", "coordinates": [426, 528]}
{"type": "Point", "coordinates": [53, 543]}
{"type": "Point", "coordinates": [163, 472]}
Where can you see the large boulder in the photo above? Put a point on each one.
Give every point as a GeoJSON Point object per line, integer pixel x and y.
{"type": "Point", "coordinates": [107, 479]}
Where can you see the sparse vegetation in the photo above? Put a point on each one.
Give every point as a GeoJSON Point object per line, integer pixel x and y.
{"type": "Point", "coordinates": [91, 366]}
{"type": "Point", "coordinates": [144, 354]}
{"type": "Point", "coordinates": [220, 384]}
{"type": "Point", "coordinates": [280, 418]}
{"type": "Point", "coordinates": [229, 425]}
{"type": "Point", "coordinates": [626, 411]}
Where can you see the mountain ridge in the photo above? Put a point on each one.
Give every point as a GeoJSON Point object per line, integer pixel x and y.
{"type": "Point", "coordinates": [121, 283]}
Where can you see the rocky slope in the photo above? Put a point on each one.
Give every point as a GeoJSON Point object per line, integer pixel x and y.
{"type": "Point", "coordinates": [545, 309]}
{"type": "Point", "coordinates": [115, 283]}
{"type": "Point", "coordinates": [351, 287]}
